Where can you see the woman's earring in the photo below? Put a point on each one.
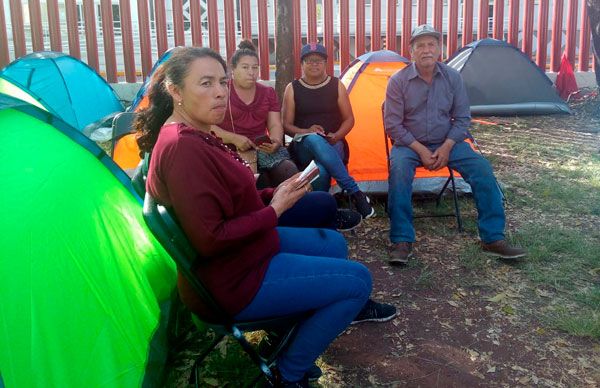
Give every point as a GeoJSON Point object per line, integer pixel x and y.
{"type": "Point", "coordinates": [178, 103]}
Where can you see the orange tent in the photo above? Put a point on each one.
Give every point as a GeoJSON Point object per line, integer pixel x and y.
{"type": "Point", "coordinates": [366, 79]}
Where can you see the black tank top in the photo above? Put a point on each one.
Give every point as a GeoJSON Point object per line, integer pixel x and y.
{"type": "Point", "coordinates": [317, 105]}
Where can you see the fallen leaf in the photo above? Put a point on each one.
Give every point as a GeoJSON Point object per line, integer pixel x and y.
{"type": "Point", "coordinates": [491, 369]}
{"type": "Point", "coordinates": [211, 381]}
{"type": "Point", "coordinates": [498, 298]}
{"type": "Point", "coordinates": [508, 310]}
{"type": "Point", "coordinates": [453, 303]}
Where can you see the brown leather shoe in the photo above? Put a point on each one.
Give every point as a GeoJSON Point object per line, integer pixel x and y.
{"type": "Point", "coordinates": [502, 250]}
{"type": "Point", "coordinates": [400, 253]}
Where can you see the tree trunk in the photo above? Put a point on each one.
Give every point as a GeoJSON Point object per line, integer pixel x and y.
{"type": "Point", "coordinates": [284, 48]}
{"type": "Point", "coordinates": [593, 8]}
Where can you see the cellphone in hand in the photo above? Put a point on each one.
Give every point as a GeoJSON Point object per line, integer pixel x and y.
{"type": "Point", "coordinates": [262, 139]}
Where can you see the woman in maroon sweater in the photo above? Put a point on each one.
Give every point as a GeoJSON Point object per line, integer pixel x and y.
{"type": "Point", "coordinates": [253, 268]}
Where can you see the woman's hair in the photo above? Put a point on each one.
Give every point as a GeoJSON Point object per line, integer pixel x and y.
{"type": "Point", "coordinates": [149, 121]}
{"type": "Point", "coordinates": [245, 48]}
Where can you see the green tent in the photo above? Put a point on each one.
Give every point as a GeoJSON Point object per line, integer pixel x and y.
{"type": "Point", "coordinates": [85, 287]}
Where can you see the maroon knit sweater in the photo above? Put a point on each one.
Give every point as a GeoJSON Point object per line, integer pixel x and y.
{"type": "Point", "coordinates": [215, 199]}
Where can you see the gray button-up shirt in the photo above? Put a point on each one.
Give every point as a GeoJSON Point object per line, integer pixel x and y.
{"type": "Point", "coordinates": [428, 113]}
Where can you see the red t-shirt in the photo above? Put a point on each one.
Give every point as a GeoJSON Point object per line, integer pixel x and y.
{"type": "Point", "coordinates": [223, 215]}
{"type": "Point", "coordinates": [250, 120]}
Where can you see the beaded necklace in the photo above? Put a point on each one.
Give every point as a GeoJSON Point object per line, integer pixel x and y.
{"type": "Point", "coordinates": [213, 140]}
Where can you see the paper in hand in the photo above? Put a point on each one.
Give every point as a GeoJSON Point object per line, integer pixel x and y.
{"type": "Point", "coordinates": [310, 173]}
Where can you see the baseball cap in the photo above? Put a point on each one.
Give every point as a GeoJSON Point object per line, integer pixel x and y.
{"type": "Point", "coordinates": [313, 48]}
{"type": "Point", "coordinates": [424, 30]}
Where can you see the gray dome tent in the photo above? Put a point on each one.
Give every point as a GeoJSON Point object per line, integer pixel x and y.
{"type": "Point", "coordinates": [502, 80]}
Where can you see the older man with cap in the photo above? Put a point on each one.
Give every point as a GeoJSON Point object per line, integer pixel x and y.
{"type": "Point", "coordinates": [317, 113]}
{"type": "Point", "coordinates": [427, 116]}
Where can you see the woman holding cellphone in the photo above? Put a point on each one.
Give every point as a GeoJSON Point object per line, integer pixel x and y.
{"type": "Point", "coordinates": [253, 120]}
{"type": "Point", "coordinates": [253, 268]}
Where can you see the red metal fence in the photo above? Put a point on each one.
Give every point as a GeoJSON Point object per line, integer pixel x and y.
{"type": "Point", "coordinates": [122, 38]}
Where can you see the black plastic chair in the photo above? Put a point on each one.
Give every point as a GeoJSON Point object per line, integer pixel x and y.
{"type": "Point", "coordinates": [167, 231]}
{"type": "Point", "coordinates": [121, 126]}
{"type": "Point", "coordinates": [449, 182]}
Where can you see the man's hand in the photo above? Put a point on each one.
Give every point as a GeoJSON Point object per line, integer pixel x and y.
{"type": "Point", "coordinates": [442, 154]}
{"type": "Point", "coordinates": [427, 159]}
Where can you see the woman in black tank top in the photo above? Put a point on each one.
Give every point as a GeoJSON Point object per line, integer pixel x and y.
{"type": "Point", "coordinates": [318, 104]}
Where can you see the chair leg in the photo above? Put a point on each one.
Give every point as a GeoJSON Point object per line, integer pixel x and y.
{"type": "Point", "coordinates": [195, 376]}
{"type": "Point", "coordinates": [438, 199]}
{"type": "Point", "coordinates": [264, 368]}
{"type": "Point", "coordinates": [456, 207]}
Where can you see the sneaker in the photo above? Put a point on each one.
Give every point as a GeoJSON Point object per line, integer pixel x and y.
{"type": "Point", "coordinates": [363, 204]}
{"type": "Point", "coordinates": [502, 250]}
{"type": "Point", "coordinates": [346, 220]}
{"type": "Point", "coordinates": [280, 382]}
{"type": "Point", "coordinates": [269, 343]}
{"type": "Point", "coordinates": [400, 253]}
{"type": "Point", "coordinates": [375, 312]}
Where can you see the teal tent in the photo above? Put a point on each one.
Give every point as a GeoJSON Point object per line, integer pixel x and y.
{"type": "Point", "coordinates": [66, 86]}
{"type": "Point", "coordinates": [85, 287]}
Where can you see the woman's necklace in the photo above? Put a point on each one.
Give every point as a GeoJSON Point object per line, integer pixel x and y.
{"type": "Point", "coordinates": [315, 86]}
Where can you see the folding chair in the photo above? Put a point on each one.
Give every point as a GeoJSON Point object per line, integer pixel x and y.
{"type": "Point", "coordinates": [124, 149]}
{"type": "Point", "coordinates": [450, 181]}
{"type": "Point", "coordinates": [167, 231]}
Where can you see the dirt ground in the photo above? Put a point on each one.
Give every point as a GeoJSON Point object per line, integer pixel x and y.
{"type": "Point", "coordinates": [453, 328]}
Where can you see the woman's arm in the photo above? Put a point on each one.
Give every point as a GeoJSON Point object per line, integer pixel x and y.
{"type": "Point", "coordinates": [241, 142]}
{"type": "Point", "coordinates": [346, 113]}
{"type": "Point", "coordinates": [275, 133]}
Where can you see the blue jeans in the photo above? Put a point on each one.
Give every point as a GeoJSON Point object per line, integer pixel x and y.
{"type": "Point", "coordinates": [310, 273]}
{"type": "Point", "coordinates": [316, 209]}
{"type": "Point", "coordinates": [473, 167]}
{"type": "Point", "coordinates": [329, 158]}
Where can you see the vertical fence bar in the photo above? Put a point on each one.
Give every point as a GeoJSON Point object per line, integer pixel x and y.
{"type": "Point", "coordinates": [54, 25]}
{"type": "Point", "coordinates": [375, 25]}
{"type": "Point", "coordinates": [406, 28]}
{"type": "Point", "coordinates": [542, 37]}
{"type": "Point", "coordinates": [144, 31]}
{"type": "Point", "coordinates": [91, 42]}
{"type": "Point", "coordinates": [246, 19]}
{"type": "Point", "coordinates": [467, 35]}
{"type": "Point", "coordinates": [344, 34]}
{"type": "Point", "coordinates": [513, 22]}
{"type": "Point", "coordinates": [229, 28]}
{"type": "Point", "coordinates": [452, 38]}
{"type": "Point", "coordinates": [311, 13]}
{"type": "Point", "coordinates": [297, 32]}
{"type": "Point", "coordinates": [498, 19]}
{"type": "Point", "coordinates": [328, 33]}
{"type": "Point", "coordinates": [438, 14]}
{"type": "Point", "coordinates": [127, 39]}
{"type": "Point", "coordinates": [18, 28]}
{"type": "Point", "coordinates": [263, 39]}
{"type": "Point", "coordinates": [196, 23]}
{"type": "Point", "coordinates": [178, 28]}
{"type": "Point", "coordinates": [4, 54]}
{"type": "Point", "coordinates": [390, 33]}
{"type": "Point", "coordinates": [35, 21]}
{"type": "Point", "coordinates": [557, 17]}
{"type": "Point", "coordinates": [571, 42]}
{"type": "Point", "coordinates": [213, 24]}
{"type": "Point", "coordinates": [421, 12]}
{"type": "Point", "coordinates": [108, 37]}
{"type": "Point", "coordinates": [72, 28]}
{"type": "Point", "coordinates": [584, 40]}
{"type": "Point", "coordinates": [482, 22]}
{"type": "Point", "coordinates": [160, 26]}
{"type": "Point", "coordinates": [359, 37]}
{"type": "Point", "coordinates": [526, 46]}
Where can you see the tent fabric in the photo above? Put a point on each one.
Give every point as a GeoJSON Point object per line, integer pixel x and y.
{"type": "Point", "coordinates": [501, 80]}
{"type": "Point", "coordinates": [67, 87]}
{"type": "Point", "coordinates": [366, 80]}
{"type": "Point", "coordinates": [141, 98]}
{"type": "Point", "coordinates": [10, 89]}
{"type": "Point", "coordinates": [83, 280]}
